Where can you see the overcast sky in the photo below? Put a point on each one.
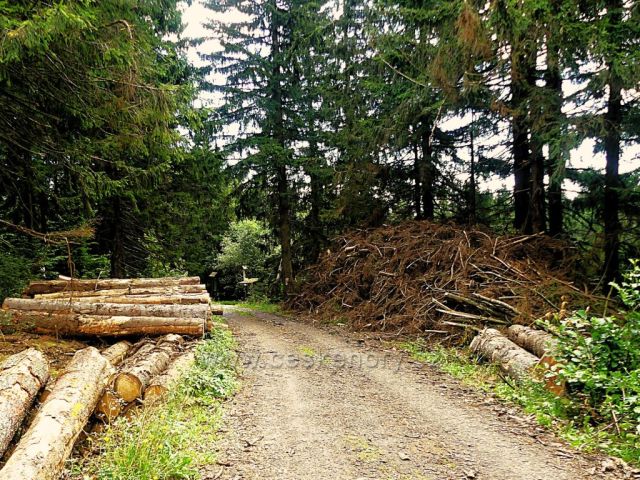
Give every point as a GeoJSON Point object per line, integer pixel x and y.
{"type": "Point", "coordinates": [196, 15]}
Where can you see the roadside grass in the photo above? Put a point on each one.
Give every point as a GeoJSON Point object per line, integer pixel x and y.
{"type": "Point", "coordinates": [170, 441]}
{"type": "Point", "coordinates": [559, 414]}
{"type": "Point", "coordinates": [260, 306]}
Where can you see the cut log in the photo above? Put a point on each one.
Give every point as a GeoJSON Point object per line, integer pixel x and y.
{"type": "Point", "coordinates": [116, 292]}
{"type": "Point", "coordinates": [217, 310]}
{"type": "Point", "coordinates": [110, 405]}
{"type": "Point", "coordinates": [173, 299]}
{"type": "Point", "coordinates": [51, 286]}
{"type": "Point", "coordinates": [110, 309]}
{"type": "Point", "coordinates": [43, 449]}
{"type": "Point", "coordinates": [512, 359]}
{"type": "Point", "coordinates": [117, 352]}
{"type": "Point", "coordinates": [132, 380]}
{"type": "Point", "coordinates": [160, 386]}
{"type": "Point", "coordinates": [103, 325]}
{"type": "Point", "coordinates": [21, 377]}
{"type": "Point", "coordinates": [538, 342]}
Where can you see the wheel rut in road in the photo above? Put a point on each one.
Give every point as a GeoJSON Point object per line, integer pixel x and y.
{"type": "Point", "coordinates": [314, 405]}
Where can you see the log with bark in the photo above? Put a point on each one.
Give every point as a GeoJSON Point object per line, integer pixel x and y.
{"type": "Point", "coordinates": [538, 342]}
{"type": "Point", "coordinates": [110, 309]}
{"type": "Point", "coordinates": [110, 405]}
{"type": "Point", "coordinates": [136, 375]}
{"type": "Point", "coordinates": [21, 377]}
{"type": "Point", "coordinates": [117, 352]}
{"type": "Point", "coordinates": [160, 386]}
{"type": "Point", "coordinates": [43, 449]}
{"type": "Point", "coordinates": [512, 359]}
{"type": "Point", "coordinates": [169, 299]}
{"type": "Point", "coordinates": [104, 325]}
{"type": "Point", "coordinates": [117, 292]}
{"type": "Point", "coordinates": [52, 286]}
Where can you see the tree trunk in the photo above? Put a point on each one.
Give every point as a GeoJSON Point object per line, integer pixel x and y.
{"type": "Point", "coordinates": [160, 386]}
{"type": "Point", "coordinates": [473, 185]}
{"type": "Point", "coordinates": [117, 246]}
{"type": "Point", "coordinates": [612, 183]}
{"type": "Point", "coordinates": [117, 292]}
{"type": "Point", "coordinates": [104, 325]}
{"type": "Point", "coordinates": [106, 309]}
{"type": "Point", "coordinates": [427, 174]}
{"type": "Point", "coordinates": [52, 286]}
{"type": "Point", "coordinates": [21, 377]}
{"type": "Point", "coordinates": [417, 197]}
{"type": "Point", "coordinates": [512, 359]}
{"type": "Point", "coordinates": [117, 352]}
{"type": "Point", "coordinates": [537, 207]}
{"type": "Point", "coordinates": [538, 342]}
{"type": "Point", "coordinates": [43, 449]}
{"type": "Point", "coordinates": [555, 132]}
{"type": "Point", "coordinates": [520, 145]}
{"type": "Point", "coordinates": [171, 299]}
{"type": "Point", "coordinates": [134, 377]}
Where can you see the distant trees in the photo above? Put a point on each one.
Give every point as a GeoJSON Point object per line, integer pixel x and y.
{"type": "Point", "coordinates": [364, 89]}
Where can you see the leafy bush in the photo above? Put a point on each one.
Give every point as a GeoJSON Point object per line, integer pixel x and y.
{"type": "Point", "coordinates": [599, 358]}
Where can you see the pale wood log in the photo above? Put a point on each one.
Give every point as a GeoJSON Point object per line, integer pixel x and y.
{"type": "Point", "coordinates": [512, 359]}
{"type": "Point", "coordinates": [118, 292]}
{"type": "Point", "coordinates": [110, 405]}
{"type": "Point", "coordinates": [21, 377]}
{"type": "Point", "coordinates": [104, 325]}
{"type": "Point", "coordinates": [117, 352]}
{"type": "Point", "coordinates": [43, 449]}
{"type": "Point", "coordinates": [170, 299]}
{"type": "Point", "coordinates": [538, 342]}
{"type": "Point", "coordinates": [51, 286]}
{"type": "Point", "coordinates": [160, 385]}
{"type": "Point", "coordinates": [132, 379]}
{"type": "Point", "coordinates": [110, 309]}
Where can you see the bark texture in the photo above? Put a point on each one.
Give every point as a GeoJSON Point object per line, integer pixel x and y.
{"type": "Point", "coordinates": [42, 451]}
{"type": "Point", "coordinates": [117, 292]}
{"type": "Point", "coordinates": [160, 386]}
{"type": "Point", "coordinates": [105, 325]}
{"type": "Point", "coordinates": [134, 377]}
{"type": "Point", "coordinates": [105, 308]}
{"type": "Point", "coordinates": [117, 352]}
{"type": "Point", "coordinates": [52, 286]}
{"type": "Point", "coordinates": [21, 377]}
{"type": "Point", "coordinates": [535, 341]}
{"type": "Point", "coordinates": [496, 348]}
{"type": "Point", "coordinates": [170, 299]}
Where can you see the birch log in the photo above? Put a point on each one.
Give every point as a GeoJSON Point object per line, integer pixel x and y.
{"type": "Point", "coordinates": [512, 359]}
{"type": "Point", "coordinates": [43, 449]}
{"type": "Point", "coordinates": [21, 377]}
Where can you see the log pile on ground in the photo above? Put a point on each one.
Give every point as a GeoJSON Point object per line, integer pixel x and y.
{"type": "Point", "coordinates": [113, 307]}
{"type": "Point", "coordinates": [425, 277]}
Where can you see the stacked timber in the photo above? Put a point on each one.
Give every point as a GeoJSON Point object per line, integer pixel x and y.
{"type": "Point", "coordinates": [113, 307]}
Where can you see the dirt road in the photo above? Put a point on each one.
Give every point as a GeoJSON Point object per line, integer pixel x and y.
{"type": "Point", "coordinates": [317, 406]}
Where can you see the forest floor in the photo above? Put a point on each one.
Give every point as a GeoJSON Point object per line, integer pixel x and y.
{"type": "Point", "coordinates": [316, 405]}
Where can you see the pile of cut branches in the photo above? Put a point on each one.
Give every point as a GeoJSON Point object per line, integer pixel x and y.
{"type": "Point", "coordinates": [427, 277]}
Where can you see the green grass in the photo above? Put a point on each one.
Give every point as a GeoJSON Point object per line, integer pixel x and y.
{"type": "Point", "coordinates": [259, 306]}
{"type": "Point", "coordinates": [556, 413]}
{"type": "Point", "coordinates": [172, 440]}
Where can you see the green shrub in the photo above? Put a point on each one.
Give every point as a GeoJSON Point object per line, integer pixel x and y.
{"type": "Point", "coordinates": [599, 358]}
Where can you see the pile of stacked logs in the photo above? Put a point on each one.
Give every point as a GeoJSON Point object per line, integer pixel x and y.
{"type": "Point", "coordinates": [42, 419]}
{"type": "Point", "coordinates": [113, 307]}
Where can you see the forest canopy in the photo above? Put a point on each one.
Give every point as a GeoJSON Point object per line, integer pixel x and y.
{"type": "Point", "coordinates": [327, 116]}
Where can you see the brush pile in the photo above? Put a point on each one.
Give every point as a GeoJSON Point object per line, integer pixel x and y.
{"type": "Point", "coordinates": [426, 277]}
